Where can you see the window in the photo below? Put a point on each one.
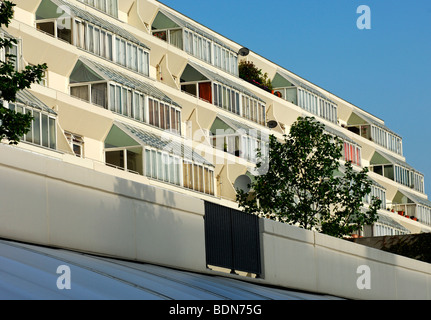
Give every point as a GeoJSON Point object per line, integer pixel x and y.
{"type": "Point", "coordinates": [162, 166]}
{"type": "Point", "coordinates": [59, 28]}
{"type": "Point", "coordinates": [108, 6]}
{"type": "Point", "coordinates": [97, 92]}
{"type": "Point", "coordinates": [198, 177]}
{"type": "Point", "coordinates": [15, 53]}
{"type": "Point", "coordinates": [312, 103]}
{"type": "Point", "coordinates": [43, 129]}
{"type": "Point", "coordinates": [98, 41]}
{"type": "Point", "coordinates": [76, 143]}
{"type": "Point", "coordinates": [352, 153]}
{"type": "Point", "coordinates": [195, 43]}
{"type": "Point", "coordinates": [127, 159]}
{"type": "Point", "coordinates": [47, 27]}
{"type": "Point", "coordinates": [131, 103]}
{"type": "Point", "coordinates": [380, 229]}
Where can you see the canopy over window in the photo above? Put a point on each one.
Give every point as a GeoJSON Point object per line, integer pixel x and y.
{"type": "Point", "coordinates": [381, 158]}
{"type": "Point", "coordinates": [27, 98]}
{"type": "Point", "coordinates": [225, 123]}
{"type": "Point", "coordinates": [54, 9]}
{"type": "Point", "coordinates": [125, 135]}
{"type": "Point", "coordinates": [88, 71]}
{"type": "Point", "coordinates": [390, 222]}
{"type": "Point", "coordinates": [196, 72]}
{"type": "Point", "coordinates": [360, 118]}
{"type": "Point", "coordinates": [340, 135]}
{"type": "Point", "coordinates": [167, 20]}
{"type": "Point", "coordinates": [403, 197]}
{"type": "Point", "coordinates": [282, 80]}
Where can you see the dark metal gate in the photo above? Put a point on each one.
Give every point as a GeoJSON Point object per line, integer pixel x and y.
{"type": "Point", "coordinates": [232, 239]}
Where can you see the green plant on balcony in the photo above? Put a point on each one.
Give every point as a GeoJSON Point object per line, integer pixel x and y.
{"type": "Point", "coordinates": [249, 72]}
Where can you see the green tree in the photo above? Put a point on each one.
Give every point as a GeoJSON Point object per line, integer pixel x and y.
{"type": "Point", "coordinates": [299, 184]}
{"type": "Point", "coordinates": [13, 125]}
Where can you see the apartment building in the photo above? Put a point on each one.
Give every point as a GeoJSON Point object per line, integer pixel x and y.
{"type": "Point", "coordinates": [137, 90]}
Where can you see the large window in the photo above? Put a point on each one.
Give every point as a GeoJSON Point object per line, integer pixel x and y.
{"type": "Point", "coordinates": [316, 105]}
{"type": "Point", "coordinates": [195, 42]}
{"type": "Point", "coordinates": [173, 36]}
{"type": "Point", "coordinates": [386, 139]}
{"type": "Point", "coordinates": [424, 214]}
{"type": "Point", "coordinates": [211, 52]}
{"type": "Point", "coordinates": [43, 129]}
{"type": "Point", "coordinates": [402, 175]}
{"type": "Point", "coordinates": [164, 116]}
{"type": "Point", "coordinates": [203, 84]}
{"type": "Point", "coordinates": [57, 29]}
{"type": "Point", "coordinates": [130, 103]}
{"type": "Point", "coordinates": [380, 229]}
{"type": "Point", "coordinates": [304, 96]}
{"type": "Point", "coordinates": [95, 93]}
{"type": "Point", "coordinates": [232, 137]}
{"type": "Point", "coordinates": [198, 177]}
{"type": "Point", "coordinates": [352, 153]}
{"type": "Point", "coordinates": [163, 166]}
{"type": "Point", "coordinates": [98, 37]}
{"type": "Point", "coordinates": [127, 159]}
{"type": "Point", "coordinates": [377, 192]}
{"type": "Point", "coordinates": [378, 134]}
{"type": "Point", "coordinates": [164, 159]}
{"type": "Point", "coordinates": [108, 6]}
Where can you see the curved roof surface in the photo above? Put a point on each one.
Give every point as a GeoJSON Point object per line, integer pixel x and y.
{"type": "Point", "coordinates": [30, 272]}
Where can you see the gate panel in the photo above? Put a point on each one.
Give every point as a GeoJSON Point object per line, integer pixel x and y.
{"type": "Point", "coordinates": [232, 239]}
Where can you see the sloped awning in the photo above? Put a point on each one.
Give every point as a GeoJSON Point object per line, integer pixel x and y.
{"type": "Point", "coordinates": [300, 84]}
{"type": "Point", "coordinates": [27, 98]}
{"type": "Point", "coordinates": [213, 76]}
{"type": "Point", "coordinates": [167, 20]}
{"type": "Point", "coordinates": [237, 127]}
{"type": "Point", "coordinates": [381, 158]}
{"type": "Point", "coordinates": [87, 71]}
{"type": "Point", "coordinates": [166, 143]}
{"type": "Point", "coordinates": [49, 9]}
{"type": "Point", "coordinates": [412, 197]}
{"type": "Point", "coordinates": [390, 222]}
{"type": "Point", "coordinates": [358, 116]}
{"type": "Point", "coordinates": [340, 135]}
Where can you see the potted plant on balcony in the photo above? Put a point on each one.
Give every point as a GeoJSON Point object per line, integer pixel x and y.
{"type": "Point", "coordinates": [250, 73]}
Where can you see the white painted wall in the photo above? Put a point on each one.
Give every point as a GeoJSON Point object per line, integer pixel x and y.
{"type": "Point", "coordinates": [48, 201]}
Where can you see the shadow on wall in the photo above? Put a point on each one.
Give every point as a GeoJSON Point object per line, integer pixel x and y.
{"type": "Point", "coordinates": [414, 246]}
{"type": "Point", "coordinates": [167, 227]}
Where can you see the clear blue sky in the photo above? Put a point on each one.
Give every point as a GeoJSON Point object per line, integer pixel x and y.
{"type": "Point", "coordinates": [385, 70]}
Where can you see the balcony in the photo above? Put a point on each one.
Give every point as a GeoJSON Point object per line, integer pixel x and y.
{"type": "Point", "coordinates": [237, 138]}
{"type": "Point", "coordinates": [371, 129]}
{"type": "Point", "coordinates": [397, 170]}
{"type": "Point", "coordinates": [412, 207]}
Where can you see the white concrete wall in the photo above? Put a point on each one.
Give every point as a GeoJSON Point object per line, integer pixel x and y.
{"type": "Point", "coordinates": [307, 260]}
{"type": "Point", "coordinates": [48, 201]}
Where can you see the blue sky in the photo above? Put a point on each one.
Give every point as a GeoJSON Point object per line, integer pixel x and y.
{"type": "Point", "coordinates": [384, 70]}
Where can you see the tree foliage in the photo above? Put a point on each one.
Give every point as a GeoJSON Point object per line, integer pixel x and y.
{"type": "Point", "coordinates": [300, 185]}
{"type": "Point", "coordinates": [14, 125]}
